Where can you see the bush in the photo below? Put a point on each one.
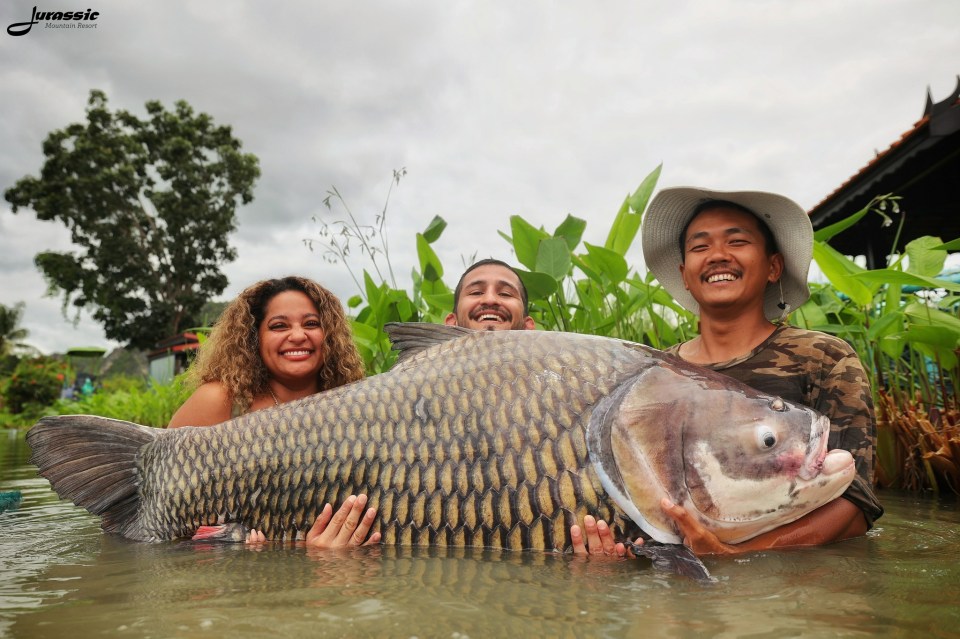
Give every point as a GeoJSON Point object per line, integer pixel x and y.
{"type": "Point", "coordinates": [35, 383]}
{"type": "Point", "coordinates": [130, 399]}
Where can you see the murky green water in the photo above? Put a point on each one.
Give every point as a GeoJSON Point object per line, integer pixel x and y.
{"type": "Point", "coordinates": [61, 577]}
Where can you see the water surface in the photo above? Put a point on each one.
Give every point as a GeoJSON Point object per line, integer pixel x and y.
{"type": "Point", "coordinates": [60, 576]}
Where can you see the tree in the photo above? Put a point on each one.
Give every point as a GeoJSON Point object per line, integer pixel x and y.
{"type": "Point", "coordinates": [150, 204]}
{"type": "Point", "coordinates": [11, 334]}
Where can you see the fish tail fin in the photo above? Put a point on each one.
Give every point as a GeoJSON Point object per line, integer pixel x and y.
{"type": "Point", "coordinates": [92, 461]}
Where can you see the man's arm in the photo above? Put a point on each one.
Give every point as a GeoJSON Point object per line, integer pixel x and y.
{"type": "Point", "coordinates": [838, 520]}
{"type": "Point", "coordinates": [835, 521]}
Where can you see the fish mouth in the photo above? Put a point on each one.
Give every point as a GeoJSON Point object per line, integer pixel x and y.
{"type": "Point", "coordinates": [817, 451]}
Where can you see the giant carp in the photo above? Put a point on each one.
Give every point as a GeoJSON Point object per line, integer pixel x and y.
{"type": "Point", "coordinates": [483, 439]}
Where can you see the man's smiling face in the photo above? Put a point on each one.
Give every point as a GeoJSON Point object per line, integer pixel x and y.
{"type": "Point", "coordinates": [490, 300]}
{"type": "Point", "coordinates": [726, 263]}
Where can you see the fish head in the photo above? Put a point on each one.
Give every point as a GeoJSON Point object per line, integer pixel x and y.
{"type": "Point", "coordinates": [739, 461]}
{"type": "Point", "coordinates": [763, 465]}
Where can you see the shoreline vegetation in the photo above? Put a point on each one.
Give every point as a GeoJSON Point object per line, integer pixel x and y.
{"type": "Point", "coordinates": [902, 319]}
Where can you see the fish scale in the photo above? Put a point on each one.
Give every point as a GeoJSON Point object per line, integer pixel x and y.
{"type": "Point", "coordinates": [498, 440]}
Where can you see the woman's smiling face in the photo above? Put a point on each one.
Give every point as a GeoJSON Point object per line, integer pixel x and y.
{"type": "Point", "coordinates": [291, 338]}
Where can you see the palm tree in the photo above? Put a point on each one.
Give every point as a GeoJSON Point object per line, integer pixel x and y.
{"type": "Point", "coordinates": [11, 335]}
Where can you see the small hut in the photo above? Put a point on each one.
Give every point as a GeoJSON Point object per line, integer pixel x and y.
{"type": "Point", "coordinates": [172, 356]}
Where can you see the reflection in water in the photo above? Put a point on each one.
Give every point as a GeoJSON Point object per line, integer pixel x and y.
{"type": "Point", "coordinates": [62, 577]}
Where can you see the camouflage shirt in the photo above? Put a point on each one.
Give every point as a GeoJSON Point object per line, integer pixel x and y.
{"type": "Point", "coordinates": [823, 372]}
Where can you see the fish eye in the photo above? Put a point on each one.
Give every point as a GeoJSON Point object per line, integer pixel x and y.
{"type": "Point", "coordinates": [766, 438]}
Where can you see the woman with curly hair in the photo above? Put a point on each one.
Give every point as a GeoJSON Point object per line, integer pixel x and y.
{"type": "Point", "coordinates": [280, 340]}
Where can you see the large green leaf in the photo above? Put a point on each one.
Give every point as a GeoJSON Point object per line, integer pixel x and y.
{"type": "Point", "coordinates": [925, 258]}
{"type": "Point", "coordinates": [839, 270]}
{"type": "Point", "coordinates": [887, 332]}
{"type": "Point", "coordinates": [939, 337]}
{"type": "Point", "coordinates": [889, 324]}
{"type": "Point", "coordinates": [405, 309]}
{"type": "Point", "coordinates": [539, 286]}
{"type": "Point", "coordinates": [606, 261]}
{"type": "Point", "coordinates": [430, 264]}
{"type": "Point", "coordinates": [440, 301]}
{"type": "Point", "coordinates": [809, 314]}
{"type": "Point", "coordinates": [583, 266]}
{"type": "Point", "coordinates": [657, 295]}
{"type": "Point", "coordinates": [571, 230]}
{"type": "Point", "coordinates": [526, 241]}
{"type": "Point", "coordinates": [920, 314]}
{"type": "Point", "coordinates": [952, 245]}
{"type": "Point", "coordinates": [553, 257]}
{"type": "Point", "coordinates": [364, 333]}
{"type": "Point", "coordinates": [625, 225]}
{"type": "Point", "coordinates": [827, 232]}
{"type": "Point", "coordinates": [893, 344]}
{"type": "Point", "coordinates": [936, 342]}
{"type": "Point", "coordinates": [373, 291]}
{"type": "Point", "coordinates": [434, 229]}
{"type": "Point", "coordinates": [882, 276]}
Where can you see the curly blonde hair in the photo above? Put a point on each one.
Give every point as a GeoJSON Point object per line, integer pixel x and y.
{"type": "Point", "coordinates": [231, 355]}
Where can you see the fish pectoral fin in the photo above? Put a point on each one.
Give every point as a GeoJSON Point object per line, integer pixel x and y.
{"type": "Point", "coordinates": [675, 558]}
{"type": "Point", "coordinates": [226, 533]}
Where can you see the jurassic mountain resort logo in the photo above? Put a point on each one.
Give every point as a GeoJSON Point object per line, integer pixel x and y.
{"type": "Point", "coordinates": [56, 20]}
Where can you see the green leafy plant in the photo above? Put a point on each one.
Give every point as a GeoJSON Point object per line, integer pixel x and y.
{"type": "Point", "coordinates": [902, 320]}
{"type": "Point", "coordinates": [34, 384]}
{"type": "Point", "coordinates": [130, 399]}
{"type": "Point", "coordinates": [593, 289]}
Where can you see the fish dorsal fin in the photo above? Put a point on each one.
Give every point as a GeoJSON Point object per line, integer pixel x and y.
{"type": "Point", "coordinates": [410, 338]}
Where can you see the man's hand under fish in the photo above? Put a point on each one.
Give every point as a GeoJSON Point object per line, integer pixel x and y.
{"type": "Point", "coordinates": [836, 520]}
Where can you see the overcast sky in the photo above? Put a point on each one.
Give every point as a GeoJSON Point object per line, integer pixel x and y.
{"type": "Point", "coordinates": [494, 108]}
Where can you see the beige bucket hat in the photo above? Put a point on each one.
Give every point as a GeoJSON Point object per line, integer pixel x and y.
{"type": "Point", "coordinates": [672, 208]}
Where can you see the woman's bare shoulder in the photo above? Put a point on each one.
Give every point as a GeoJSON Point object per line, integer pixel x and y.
{"type": "Point", "coordinates": [210, 404]}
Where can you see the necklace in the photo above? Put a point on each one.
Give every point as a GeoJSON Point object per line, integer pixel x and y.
{"type": "Point", "coordinates": [273, 395]}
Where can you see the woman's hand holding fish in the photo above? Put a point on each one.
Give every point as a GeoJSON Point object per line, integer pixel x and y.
{"type": "Point", "coordinates": [598, 540]}
{"type": "Point", "coordinates": [348, 527]}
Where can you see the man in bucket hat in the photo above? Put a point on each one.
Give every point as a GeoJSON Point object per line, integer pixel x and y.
{"type": "Point", "coordinates": [740, 260]}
